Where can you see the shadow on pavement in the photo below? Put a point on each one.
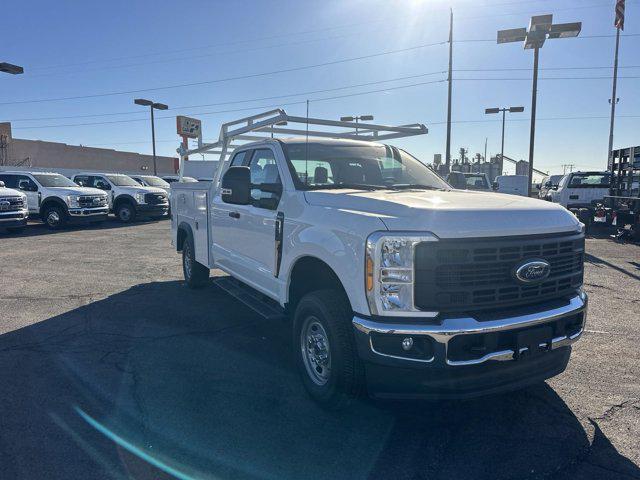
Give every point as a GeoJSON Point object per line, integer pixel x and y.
{"type": "Point", "coordinates": [600, 262]}
{"type": "Point", "coordinates": [37, 228]}
{"type": "Point", "coordinates": [159, 381]}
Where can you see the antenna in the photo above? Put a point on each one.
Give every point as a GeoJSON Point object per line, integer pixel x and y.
{"type": "Point", "coordinates": [306, 150]}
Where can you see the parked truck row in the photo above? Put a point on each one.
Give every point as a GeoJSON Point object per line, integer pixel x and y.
{"type": "Point", "coordinates": [84, 198]}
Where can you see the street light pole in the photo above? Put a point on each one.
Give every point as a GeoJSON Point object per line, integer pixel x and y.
{"type": "Point", "coordinates": [532, 132]}
{"type": "Point", "coordinates": [157, 106]}
{"type": "Point", "coordinates": [153, 143]}
{"type": "Point", "coordinates": [541, 28]}
{"type": "Point", "coordinates": [504, 112]}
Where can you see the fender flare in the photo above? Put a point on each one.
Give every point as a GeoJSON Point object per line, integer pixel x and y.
{"type": "Point", "coordinates": [124, 198]}
{"type": "Point", "coordinates": [58, 202]}
{"type": "Point", "coordinates": [184, 230]}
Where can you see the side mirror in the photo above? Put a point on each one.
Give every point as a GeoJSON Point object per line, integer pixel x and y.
{"type": "Point", "coordinates": [27, 186]}
{"type": "Point", "coordinates": [236, 186]}
{"type": "Point", "coordinates": [554, 187]}
{"type": "Point", "coordinates": [103, 186]}
{"type": "Point", "coordinates": [1, 184]}
{"type": "Point", "coordinates": [494, 186]}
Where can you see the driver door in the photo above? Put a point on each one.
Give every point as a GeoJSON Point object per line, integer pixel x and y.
{"type": "Point", "coordinates": [245, 235]}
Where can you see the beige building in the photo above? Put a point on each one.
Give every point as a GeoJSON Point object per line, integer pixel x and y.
{"type": "Point", "coordinates": [41, 155]}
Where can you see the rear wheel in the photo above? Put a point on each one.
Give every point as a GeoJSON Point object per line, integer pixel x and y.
{"type": "Point", "coordinates": [126, 212]}
{"type": "Point", "coordinates": [196, 275]}
{"type": "Point", "coordinates": [54, 217]}
{"type": "Point", "coordinates": [325, 351]}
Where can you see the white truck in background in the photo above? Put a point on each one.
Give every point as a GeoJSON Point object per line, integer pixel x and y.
{"type": "Point", "coordinates": [512, 184]}
{"type": "Point", "coordinates": [581, 189]}
{"type": "Point", "coordinates": [13, 209]}
{"type": "Point", "coordinates": [396, 284]}
{"type": "Point", "coordinates": [127, 198]}
{"type": "Point", "coordinates": [57, 200]}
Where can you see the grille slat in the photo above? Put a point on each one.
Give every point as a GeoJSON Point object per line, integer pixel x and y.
{"type": "Point", "coordinates": [455, 275]}
{"type": "Point", "coordinates": [11, 204]}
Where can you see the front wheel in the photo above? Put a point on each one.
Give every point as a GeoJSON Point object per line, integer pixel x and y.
{"type": "Point", "coordinates": [54, 217]}
{"type": "Point", "coordinates": [325, 351]}
{"type": "Point", "coordinates": [126, 212]}
{"type": "Point", "coordinates": [196, 275]}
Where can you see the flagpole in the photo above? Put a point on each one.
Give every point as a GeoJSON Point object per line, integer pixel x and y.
{"type": "Point", "coordinates": [613, 94]}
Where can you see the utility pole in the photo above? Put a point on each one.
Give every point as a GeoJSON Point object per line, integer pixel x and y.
{"type": "Point", "coordinates": [569, 166]}
{"type": "Point", "coordinates": [619, 24]}
{"type": "Point", "coordinates": [485, 148]}
{"type": "Point", "coordinates": [532, 131]}
{"type": "Point", "coordinates": [450, 79]}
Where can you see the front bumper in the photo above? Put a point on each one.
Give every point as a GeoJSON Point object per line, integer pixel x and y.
{"type": "Point", "coordinates": [14, 219]}
{"type": "Point", "coordinates": [152, 210]}
{"type": "Point", "coordinates": [466, 356]}
{"type": "Point", "coordinates": [79, 215]}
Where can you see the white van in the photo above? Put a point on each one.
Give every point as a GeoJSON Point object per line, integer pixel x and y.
{"type": "Point", "coordinates": [512, 184]}
{"type": "Point", "coordinates": [581, 189]}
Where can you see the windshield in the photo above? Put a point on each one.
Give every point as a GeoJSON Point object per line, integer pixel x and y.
{"type": "Point", "coordinates": [53, 180]}
{"type": "Point", "coordinates": [589, 180]}
{"type": "Point", "coordinates": [476, 181]}
{"type": "Point", "coordinates": [320, 166]}
{"type": "Point", "coordinates": [155, 182]}
{"type": "Point", "coordinates": [122, 181]}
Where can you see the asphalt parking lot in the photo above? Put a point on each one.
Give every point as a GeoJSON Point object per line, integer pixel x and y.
{"type": "Point", "coordinates": [111, 368]}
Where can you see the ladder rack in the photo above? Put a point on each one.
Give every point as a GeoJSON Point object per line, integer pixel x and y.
{"type": "Point", "coordinates": [277, 122]}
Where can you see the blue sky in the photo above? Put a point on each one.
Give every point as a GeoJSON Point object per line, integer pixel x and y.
{"type": "Point", "coordinates": [73, 48]}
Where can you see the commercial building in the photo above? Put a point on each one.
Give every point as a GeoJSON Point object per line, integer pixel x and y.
{"type": "Point", "coordinates": [42, 155]}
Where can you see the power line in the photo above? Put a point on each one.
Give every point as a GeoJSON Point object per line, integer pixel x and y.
{"type": "Point", "coordinates": [273, 97]}
{"type": "Point", "coordinates": [335, 97]}
{"type": "Point", "coordinates": [228, 79]}
{"type": "Point", "coordinates": [231, 102]}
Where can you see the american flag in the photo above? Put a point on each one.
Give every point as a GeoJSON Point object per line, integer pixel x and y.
{"type": "Point", "coordinates": [619, 22]}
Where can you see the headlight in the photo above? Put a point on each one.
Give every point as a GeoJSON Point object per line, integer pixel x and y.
{"type": "Point", "coordinates": [140, 197]}
{"type": "Point", "coordinates": [73, 201]}
{"type": "Point", "coordinates": [389, 272]}
{"type": "Point", "coordinates": [25, 203]}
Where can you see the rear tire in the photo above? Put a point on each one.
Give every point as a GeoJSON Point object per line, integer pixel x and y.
{"type": "Point", "coordinates": [54, 217]}
{"type": "Point", "coordinates": [325, 351]}
{"type": "Point", "coordinates": [126, 212]}
{"type": "Point", "coordinates": [195, 274]}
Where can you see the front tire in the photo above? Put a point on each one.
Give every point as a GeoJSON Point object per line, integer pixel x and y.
{"type": "Point", "coordinates": [126, 212]}
{"type": "Point", "coordinates": [54, 218]}
{"type": "Point", "coordinates": [325, 350]}
{"type": "Point", "coordinates": [195, 274]}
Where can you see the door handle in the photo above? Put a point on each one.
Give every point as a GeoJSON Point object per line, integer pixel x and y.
{"type": "Point", "coordinates": [234, 214]}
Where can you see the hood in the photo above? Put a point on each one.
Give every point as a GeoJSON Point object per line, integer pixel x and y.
{"type": "Point", "coordinates": [142, 189]}
{"type": "Point", "coordinates": [77, 191]}
{"type": "Point", "coordinates": [10, 192]}
{"type": "Point", "coordinates": [452, 214]}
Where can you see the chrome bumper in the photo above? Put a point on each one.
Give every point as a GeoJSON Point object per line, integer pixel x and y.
{"type": "Point", "coordinates": [85, 212]}
{"type": "Point", "coordinates": [13, 215]}
{"type": "Point", "coordinates": [449, 328]}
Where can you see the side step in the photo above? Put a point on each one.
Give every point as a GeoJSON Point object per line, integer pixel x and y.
{"type": "Point", "coordinates": [256, 301]}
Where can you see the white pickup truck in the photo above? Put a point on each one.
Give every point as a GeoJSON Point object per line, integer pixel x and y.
{"type": "Point", "coordinates": [127, 198]}
{"type": "Point", "coordinates": [13, 209]}
{"type": "Point", "coordinates": [56, 199]}
{"type": "Point", "coordinates": [397, 285]}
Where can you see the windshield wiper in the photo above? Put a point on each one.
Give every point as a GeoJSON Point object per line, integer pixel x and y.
{"type": "Point", "coordinates": [354, 186]}
{"type": "Point", "coordinates": [416, 186]}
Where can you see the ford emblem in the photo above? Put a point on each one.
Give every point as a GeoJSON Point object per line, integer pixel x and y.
{"type": "Point", "coordinates": [532, 271]}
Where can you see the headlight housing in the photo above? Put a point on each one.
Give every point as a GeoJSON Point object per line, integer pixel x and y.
{"type": "Point", "coordinates": [140, 197]}
{"type": "Point", "coordinates": [389, 272]}
{"type": "Point", "coordinates": [73, 201]}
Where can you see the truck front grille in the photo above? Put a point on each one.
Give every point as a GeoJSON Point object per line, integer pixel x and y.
{"type": "Point", "coordinates": [91, 201]}
{"type": "Point", "coordinates": [472, 274]}
{"type": "Point", "coordinates": [11, 204]}
{"type": "Point", "coordinates": [155, 198]}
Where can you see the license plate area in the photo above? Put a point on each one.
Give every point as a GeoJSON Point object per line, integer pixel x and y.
{"type": "Point", "coordinates": [533, 341]}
